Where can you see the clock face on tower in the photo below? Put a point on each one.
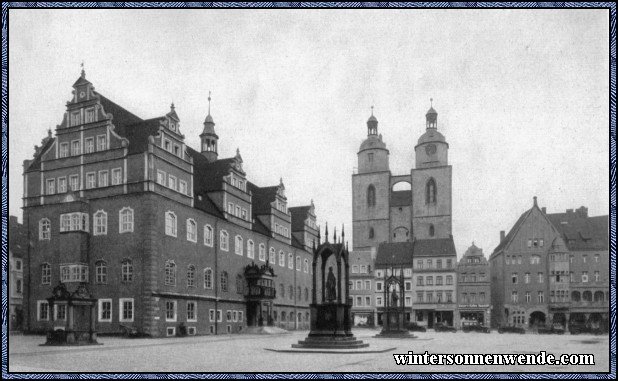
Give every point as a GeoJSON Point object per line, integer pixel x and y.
{"type": "Point", "coordinates": [430, 149]}
{"type": "Point", "coordinates": [82, 94]}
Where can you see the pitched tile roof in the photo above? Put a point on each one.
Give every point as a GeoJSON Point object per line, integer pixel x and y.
{"type": "Point", "coordinates": [395, 254]}
{"type": "Point", "coordinates": [299, 215]}
{"type": "Point", "coordinates": [434, 247]}
{"type": "Point", "coordinates": [121, 117]}
{"type": "Point", "coordinates": [262, 198]}
{"type": "Point", "coordinates": [580, 232]}
{"type": "Point", "coordinates": [512, 232]}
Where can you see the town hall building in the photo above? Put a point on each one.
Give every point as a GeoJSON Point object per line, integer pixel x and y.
{"type": "Point", "coordinates": [165, 238]}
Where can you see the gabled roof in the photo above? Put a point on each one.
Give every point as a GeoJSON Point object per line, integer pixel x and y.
{"type": "Point", "coordinates": [121, 117]}
{"type": "Point", "coordinates": [36, 162]}
{"type": "Point", "coordinates": [582, 232]}
{"type": "Point", "coordinates": [434, 247]}
{"type": "Point", "coordinates": [209, 176]}
{"type": "Point", "coordinates": [262, 198]}
{"type": "Point", "coordinates": [259, 227]}
{"type": "Point", "coordinates": [512, 232]}
{"type": "Point", "coordinates": [296, 243]}
{"type": "Point", "coordinates": [299, 215]}
{"type": "Point", "coordinates": [139, 133]}
{"type": "Point", "coordinates": [401, 198]}
{"type": "Point", "coordinates": [395, 254]}
{"type": "Point", "coordinates": [204, 203]}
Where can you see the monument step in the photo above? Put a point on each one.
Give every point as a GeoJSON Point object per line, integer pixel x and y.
{"type": "Point", "coordinates": [325, 345]}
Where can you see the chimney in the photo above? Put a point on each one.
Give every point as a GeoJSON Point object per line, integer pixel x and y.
{"type": "Point", "coordinates": [582, 211]}
{"type": "Point", "coordinates": [502, 236]}
{"type": "Point", "coordinates": [534, 198]}
{"type": "Point", "coordinates": [544, 210]}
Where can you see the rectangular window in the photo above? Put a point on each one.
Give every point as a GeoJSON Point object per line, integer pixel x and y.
{"type": "Point", "coordinates": [60, 311]}
{"type": "Point", "coordinates": [585, 277]}
{"type": "Point", "coordinates": [367, 285]}
{"type": "Point", "coordinates": [183, 187]}
{"type": "Point", "coordinates": [91, 180]}
{"type": "Point", "coordinates": [363, 269]}
{"type": "Point", "coordinates": [359, 285]}
{"type": "Point", "coordinates": [75, 119]}
{"type": "Point", "coordinates": [430, 281]}
{"type": "Point", "coordinates": [228, 315]}
{"type": "Point", "coordinates": [51, 186]}
{"type": "Point", "coordinates": [359, 301]}
{"type": "Point", "coordinates": [170, 310]}
{"type": "Point", "coordinates": [514, 278]}
{"type": "Point", "coordinates": [230, 208]}
{"type": "Point", "coordinates": [191, 311]}
{"type": "Point", "coordinates": [368, 300]}
{"type": "Point", "coordinates": [103, 178]}
{"type": "Point", "coordinates": [75, 148]}
{"type": "Point", "coordinates": [101, 143]}
{"type": "Point", "coordinates": [105, 310]}
{"type": "Point", "coordinates": [116, 176]}
{"type": "Point", "coordinates": [62, 184]}
{"type": "Point", "coordinates": [160, 177]}
{"type": "Point", "coordinates": [89, 145]}
{"type": "Point", "coordinates": [211, 316]}
{"type": "Point", "coordinates": [238, 211]}
{"type": "Point", "coordinates": [240, 316]}
{"type": "Point", "coordinates": [42, 310]}
{"type": "Point", "coordinates": [419, 281]}
{"type": "Point", "coordinates": [378, 301]}
{"type": "Point", "coordinates": [354, 269]}
{"type": "Point", "coordinates": [407, 273]}
{"type": "Point", "coordinates": [596, 276]}
{"type": "Point", "coordinates": [514, 297]}
{"type": "Point", "coordinates": [172, 182]}
{"type": "Point", "coordinates": [419, 297]}
{"type": "Point", "coordinates": [74, 182]}
{"type": "Point", "coordinates": [540, 277]}
{"type": "Point", "coordinates": [408, 286]}
{"type": "Point", "coordinates": [378, 286]}
{"type": "Point", "coordinates": [126, 310]}
{"type": "Point", "coordinates": [541, 297]}
{"type": "Point", "coordinates": [64, 149]}
{"type": "Point", "coordinates": [90, 115]}
{"type": "Point", "coordinates": [244, 214]}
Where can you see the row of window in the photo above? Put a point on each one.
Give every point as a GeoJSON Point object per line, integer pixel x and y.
{"type": "Point", "coordinates": [167, 145]}
{"type": "Point", "coordinates": [428, 280]}
{"type": "Point", "coordinates": [558, 277]}
{"type": "Point", "coordinates": [429, 264]}
{"type": "Point", "coordinates": [171, 222]}
{"type": "Point", "coordinates": [78, 221]}
{"type": "Point", "coordinates": [465, 277]}
{"type": "Point", "coordinates": [535, 242]}
{"type": "Point", "coordinates": [528, 295]}
{"type": "Point", "coordinates": [125, 311]}
{"type": "Point", "coordinates": [515, 278]}
{"type": "Point", "coordinates": [427, 297]}
{"type": "Point", "coordinates": [290, 293]}
{"type": "Point", "coordinates": [397, 272]}
{"type": "Point", "coordinates": [172, 182]}
{"type": "Point", "coordinates": [237, 211]}
{"type": "Point", "coordinates": [471, 298]}
{"type": "Point", "coordinates": [89, 116]}
{"type": "Point", "coordinates": [75, 148]}
{"type": "Point", "coordinates": [79, 272]}
{"type": "Point", "coordinates": [518, 259]}
{"type": "Point", "coordinates": [282, 230]}
{"type": "Point", "coordinates": [91, 181]}
{"type": "Point", "coordinates": [238, 183]}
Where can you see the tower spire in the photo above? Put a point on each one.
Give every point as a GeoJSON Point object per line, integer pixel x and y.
{"type": "Point", "coordinates": [209, 102]}
{"type": "Point", "coordinates": [83, 74]}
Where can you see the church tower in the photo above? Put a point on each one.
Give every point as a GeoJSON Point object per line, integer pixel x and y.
{"type": "Point", "coordinates": [208, 137]}
{"type": "Point", "coordinates": [370, 191]}
{"type": "Point", "coordinates": [431, 183]}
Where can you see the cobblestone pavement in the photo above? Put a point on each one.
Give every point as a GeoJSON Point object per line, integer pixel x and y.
{"type": "Point", "coordinates": [247, 353]}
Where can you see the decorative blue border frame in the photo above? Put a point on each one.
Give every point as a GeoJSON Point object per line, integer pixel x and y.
{"type": "Point", "coordinates": [612, 176]}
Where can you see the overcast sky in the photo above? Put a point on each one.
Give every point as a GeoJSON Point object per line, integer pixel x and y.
{"type": "Point", "coordinates": [522, 96]}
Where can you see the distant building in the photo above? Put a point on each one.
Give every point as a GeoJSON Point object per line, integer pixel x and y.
{"type": "Point", "coordinates": [474, 287]}
{"type": "Point", "coordinates": [414, 208]}
{"type": "Point", "coordinates": [397, 255]}
{"type": "Point", "coordinates": [544, 265]}
{"type": "Point", "coordinates": [167, 238]}
{"type": "Point", "coordinates": [18, 246]}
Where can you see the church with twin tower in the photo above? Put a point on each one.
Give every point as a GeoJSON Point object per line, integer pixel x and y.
{"type": "Point", "coordinates": [406, 218]}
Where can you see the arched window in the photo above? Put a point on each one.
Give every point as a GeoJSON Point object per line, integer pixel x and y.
{"type": "Point", "coordinates": [371, 233]}
{"type": "Point", "coordinates": [170, 223]}
{"type": "Point", "coordinates": [127, 270]}
{"type": "Point", "coordinates": [432, 230]}
{"type": "Point", "coordinates": [271, 255]}
{"type": "Point", "coordinates": [281, 290]}
{"type": "Point", "coordinates": [291, 292]}
{"type": "Point", "coordinates": [587, 296]}
{"type": "Point", "coordinates": [299, 294]}
{"type": "Point", "coordinates": [298, 263]}
{"type": "Point", "coordinates": [99, 223]}
{"type": "Point", "coordinates": [170, 273]}
{"type": "Point", "coordinates": [598, 296]}
{"type": "Point", "coordinates": [262, 252]}
{"type": "Point", "coordinates": [281, 258]}
{"type": "Point", "coordinates": [191, 230]}
{"type": "Point", "coordinates": [44, 229]}
{"type": "Point", "coordinates": [250, 249]}
{"type": "Point", "coordinates": [576, 296]}
{"type": "Point", "coordinates": [100, 269]}
{"type": "Point", "coordinates": [306, 294]}
{"type": "Point", "coordinates": [238, 245]}
{"type": "Point", "coordinates": [291, 261]}
{"type": "Point", "coordinates": [208, 278]}
{"type": "Point", "coordinates": [224, 281]}
{"type": "Point", "coordinates": [430, 191]}
{"type": "Point", "coordinates": [126, 220]}
{"type": "Point", "coordinates": [306, 265]}
{"type": "Point", "coordinates": [371, 195]}
{"type": "Point", "coordinates": [208, 236]}
{"type": "Point", "coordinates": [240, 284]}
{"type": "Point", "coordinates": [224, 240]}
{"type": "Point", "coordinates": [191, 276]}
